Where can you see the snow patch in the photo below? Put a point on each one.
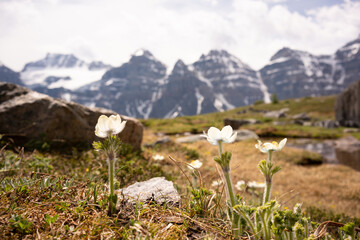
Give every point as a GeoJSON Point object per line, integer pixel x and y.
{"type": "Point", "coordinates": [221, 102]}
{"type": "Point", "coordinates": [144, 108]}
{"type": "Point", "coordinates": [79, 76]}
{"type": "Point", "coordinates": [175, 112]}
{"type": "Point", "coordinates": [203, 79]}
{"type": "Point", "coordinates": [263, 88]}
{"type": "Point", "coordinates": [66, 97]}
{"type": "Point", "coordinates": [279, 60]}
{"type": "Point", "coordinates": [200, 99]}
{"type": "Point", "coordinates": [109, 82]}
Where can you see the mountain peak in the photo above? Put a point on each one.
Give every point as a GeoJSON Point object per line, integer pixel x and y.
{"type": "Point", "coordinates": [56, 60]}
{"type": "Point", "coordinates": [221, 59]}
{"type": "Point", "coordinates": [143, 52]}
{"type": "Point", "coordinates": [284, 52]}
{"type": "Point", "coordinates": [180, 67]}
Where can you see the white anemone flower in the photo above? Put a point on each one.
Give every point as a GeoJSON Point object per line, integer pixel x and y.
{"type": "Point", "coordinates": [226, 135]}
{"type": "Point", "coordinates": [240, 185]}
{"type": "Point", "coordinates": [274, 146]}
{"type": "Point", "coordinates": [196, 164]}
{"type": "Point", "coordinates": [216, 183]}
{"type": "Point", "coordinates": [158, 157]}
{"type": "Point", "coordinates": [253, 184]}
{"type": "Point", "coordinates": [108, 126]}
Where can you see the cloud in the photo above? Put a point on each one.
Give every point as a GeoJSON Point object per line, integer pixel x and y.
{"type": "Point", "coordinates": [111, 31]}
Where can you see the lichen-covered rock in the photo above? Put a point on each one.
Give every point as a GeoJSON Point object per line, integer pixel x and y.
{"type": "Point", "coordinates": [26, 115]}
{"type": "Point", "coordinates": [347, 106]}
{"type": "Point", "coordinates": [156, 190]}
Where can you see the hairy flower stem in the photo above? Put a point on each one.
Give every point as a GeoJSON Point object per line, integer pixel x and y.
{"type": "Point", "coordinates": [229, 185]}
{"type": "Point", "coordinates": [231, 196]}
{"type": "Point", "coordinates": [112, 198]}
{"type": "Point", "coordinates": [268, 181]}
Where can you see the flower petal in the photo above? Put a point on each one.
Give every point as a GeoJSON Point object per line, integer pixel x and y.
{"type": "Point", "coordinates": [112, 122]}
{"type": "Point", "coordinates": [226, 132]}
{"type": "Point", "coordinates": [282, 144]}
{"type": "Point", "coordinates": [231, 139]}
{"type": "Point", "coordinates": [99, 133]}
{"type": "Point", "coordinates": [102, 123]}
{"type": "Point", "coordinates": [214, 133]}
{"type": "Point", "coordinates": [120, 127]}
{"type": "Point", "coordinates": [212, 141]}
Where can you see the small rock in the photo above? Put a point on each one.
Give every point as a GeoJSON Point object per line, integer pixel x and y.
{"type": "Point", "coordinates": [277, 114]}
{"type": "Point", "coordinates": [277, 123]}
{"type": "Point", "coordinates": [162, 140]}
{"type": "Point", "coordinates": [351, 130]}
{"type": "Point", "coordinates": [251, 109]}
{"type": "Point", "coordinates": [237, 123]}
{"type": "Point", "coordinates": [327, 124]}
{"type": "Point", "coordinates": [190, 138]}
{"type": "Point", "coordinates": [156, 190]}
{"type": "Point", "coordinates": [307, 124]}
{"type": "Point", "coordinates": [241, 112]}
{"type": "Point", "coordinates": [245, 134]}
{"type": "Point", "coordinates": [301, 118]}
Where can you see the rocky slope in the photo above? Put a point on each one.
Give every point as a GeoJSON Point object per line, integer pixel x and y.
{"type": "Point", "coordinates": [8, 75]}
{"type": "Point", "coordinates": [292, 73]}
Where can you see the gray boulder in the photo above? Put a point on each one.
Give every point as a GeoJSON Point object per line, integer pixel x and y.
{"type": "Point", "coordinates": [156, 190]}
{"type": "Point", "coordinates": [26, 116]}
{"type": "Point", "coordinates": [348, 152]}
{"type": "Point", "coordinates": [245, 134]}
{"type": "Point", "coordinates": [347, 106]}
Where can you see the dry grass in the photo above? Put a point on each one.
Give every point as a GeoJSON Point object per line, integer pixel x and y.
{"type": "Point", "coordinates": [326, 186]}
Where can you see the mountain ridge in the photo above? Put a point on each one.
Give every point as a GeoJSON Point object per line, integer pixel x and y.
{"type": "Point", "coordinates": [217, 81]}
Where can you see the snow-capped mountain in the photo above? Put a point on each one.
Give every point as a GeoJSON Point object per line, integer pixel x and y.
{"type": "Point", "coordinates": [130, 89]}
{"type": "Point", "coordinates": [217, 81]}
{"type": "Point", "coordinates": [62, 71]}
{"type": "Point", "coordinates": [234, 82]}
{"type": "Point", "coordinates": [349, 58]}
{"type": "Point", "coordinates": [184, 94]}
{"type": "Point", "coordinates": [141, 88]}
{"type": "Point", "coordinates": [293, 73]}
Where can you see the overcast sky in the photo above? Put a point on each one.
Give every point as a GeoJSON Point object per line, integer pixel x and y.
{"type": "Point", "coordinates": [111, 30]}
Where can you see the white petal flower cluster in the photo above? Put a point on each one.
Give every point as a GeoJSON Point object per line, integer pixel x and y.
{"type": "Point", "coordinates": [108, 126]}
{"type": "Point", "coordinates": [216, 183]}
{"type": "Point", "coordinates": [240, 185]}
{"type": "Point", "coordinates": [253, 184]}
{"type": "Point", "coordinates": [158, 157]}
{"type": "Point", "coordinates": [195, 164]}
{"type": "Point", "coordinates": [226, 135]}
{"type": "Point", "coordinates": [274, 146]}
